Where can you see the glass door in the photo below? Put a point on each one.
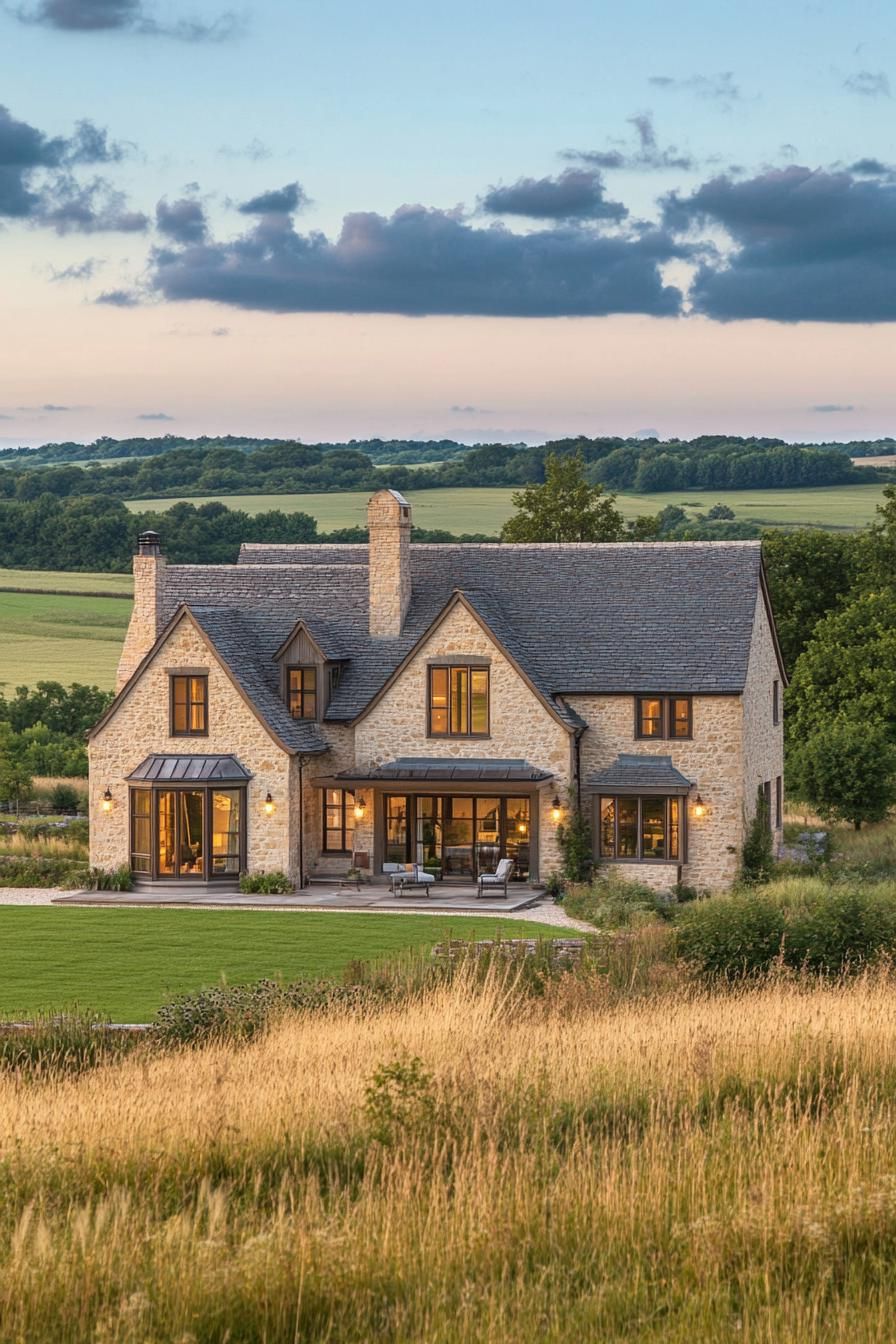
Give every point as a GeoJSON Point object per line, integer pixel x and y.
{"type": "Point", "coordinates": [181, 832]}
{"type": "Point", "coordinates": [428, 850]}
{"type": "Point", "coordinates": [488, 835]}
{"type": "Point", "coordinates": [517, 842]}
{"type": "Point", "coordinates": [396, 829]}
{"type": "Point", "coordinates": [457, 848]}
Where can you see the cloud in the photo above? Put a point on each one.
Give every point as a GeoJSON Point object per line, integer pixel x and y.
{"type": "Point", "coordinates": [38, 186]}
{"type": "Point", "coordinates": [577, 193]}
{"type": "Point", "coordinates": [7, 417]}
{"type": "Point", "coordinates": [255, 151]}
{"type": "Point", "coordinates": [871, 168]}
{"type": "Point", "coordinates": [828, 408]}
{"type": "Point", "coordinates": [281, 201]}
{"type": "Point", "coordinates": [118, 298]}
{"type": "Point", "coordinates": [220, 331]}
{"type": "Point", "coordinates": [806, 246]}
{"type": "Point", "coordinates": [868, 84]}
{"type": "Point", "coordinates": [423, 261]}
{"type": "Point", "coordinates": [719, 88]}
{"type": "Point", "coordinates": [183, 221]}
{"type": "Point", "coordinates": [92, 16]}
{"type": "Point", "coordinates": [80, 270]}
{"type": "Point", "coordinates": [469, 410]}
{"type": "Point", "coordinates": [647, 156]}
{"type": "Point", "coordinates": [48, 406]}
{"type": "Point", "coordinates": [155, 415]}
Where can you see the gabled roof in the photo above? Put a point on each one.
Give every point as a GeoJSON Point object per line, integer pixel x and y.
{"type": "Point", "coordinates": [326, 642]}
{"type": "Point", "coordinates": [577, 619]}
{"type": "Point", "coordinates": [640, 774]}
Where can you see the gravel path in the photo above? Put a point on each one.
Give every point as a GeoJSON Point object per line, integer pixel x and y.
{"type": "Point", "coordinates": [545, 912]}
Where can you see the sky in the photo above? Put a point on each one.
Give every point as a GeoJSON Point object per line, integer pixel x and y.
{"type": "Point", "coordinates": [488, 221]}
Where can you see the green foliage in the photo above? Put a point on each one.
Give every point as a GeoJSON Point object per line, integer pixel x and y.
{"type": "Point", "coordinates": [564, 508]}
{"type": "Point", "coordinates": [65, 798]}
{"type": "Point", "coordinates": [109, 879]}
{"type": "Point", "coordinates": [34, 871]}
{"type": "Point", "coordinates": [803, 924]}
{"type": "Point", "coordinates": [269, 884]}
{"type": "Point", "coordinates": [576, 845]}
{"type": "Point", "coordinates": [70, 711]}
{"type": "Point", "coordinates": [757, 857]}
{"type": "Point", "coordinates": [241, 1012]}
{"type": "Point", "coordinates": [810, 574]}
{"type": "Point", "coordinates": [610, 901]}
{"type": "Point", "coordinates": [400, 1100]}
{"type": "Point", "coordinates": [16, 785]}
{"type": "Point", "coordinates": [720, 512]}
{"type": "Point", "coordinates": [847, 770]}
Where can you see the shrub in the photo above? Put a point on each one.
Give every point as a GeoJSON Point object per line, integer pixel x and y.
{"type": "Point", "coordinates": [732, 935]}
{"type": "Point", "coordinates": [554, 886]}
{"type": "Point", "coordinates": [847, 769]}
{"type": "Point", "coordinates": [109, 879]}
{"type": "Point", "coordinates": [575, 844]}
{"type": "Point", "coordinates": [757, 858]}
{"type": "Point", "coordinates": [612, 902]}
{"type": "Point", "coordinates": [30, 871]}
{"type": "Point", "coordinates": [64, 798]}
{"type": "Point", "coordinates": [268, 884]}
{"type": "Point", "coordinates": [243, 1011]}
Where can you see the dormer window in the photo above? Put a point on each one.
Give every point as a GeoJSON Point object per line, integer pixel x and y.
{"type": "Point", "coordinates": [302, 692]}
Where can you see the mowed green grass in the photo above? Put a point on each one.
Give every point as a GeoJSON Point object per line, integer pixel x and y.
{"type": "Point", "coordinates": [49, 637]}
{"type": "Point", "coordinates": [63, 580]}
{"type": "Point", "coordinates": [486, 509]}
{"type": "Point", "coordinates": [125, 963]}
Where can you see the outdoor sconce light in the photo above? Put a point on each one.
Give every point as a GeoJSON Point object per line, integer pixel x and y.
{"type": "Point", "coordinates": [699, 807]}
{"type": "Point", "coordinates": [556, 809]}
{"type": "Point", "coordinates": [107, 800]}
{"type": "Point", "coordinates": [360, 809]}
{"type": "Point", "coordinates": [269, 805]}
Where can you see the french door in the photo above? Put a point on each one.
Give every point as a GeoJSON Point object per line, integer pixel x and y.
{"type": "Point", "coordinates": [188, 834]}
{"type": "Point", "coordinates": [458, 836]}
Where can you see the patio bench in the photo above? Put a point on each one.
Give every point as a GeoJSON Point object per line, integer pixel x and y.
{"type": "Point", "coordinates": [401, 878]}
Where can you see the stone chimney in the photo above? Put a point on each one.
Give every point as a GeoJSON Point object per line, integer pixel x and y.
{"type": "Point", "coordinates": [389, 524]}
{"type": "Point", "coordinates": [149, 588]}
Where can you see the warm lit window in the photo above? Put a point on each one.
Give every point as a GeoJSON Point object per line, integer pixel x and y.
{"type": "Point", "coordinates": [339, 821]}
{"type": "Point", "coordinates": [663, 716]}
{"type": "Point", "coordinates": [303, 692]}
{"type": "Point", "coordinates": [458, 702]}
{"type": "Point", "coordinates": [189, 706]}
{"type": "Point", "coordinates": [640, 828]}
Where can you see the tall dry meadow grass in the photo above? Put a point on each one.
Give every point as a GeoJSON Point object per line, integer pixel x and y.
{"type": "Point", "coordinates": [474, 1165]}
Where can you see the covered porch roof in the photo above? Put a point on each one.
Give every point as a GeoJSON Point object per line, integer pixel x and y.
{"type": "Point", "coordinates": [189, 769]}
{"type": "Point", "coordinates": [453, 770]}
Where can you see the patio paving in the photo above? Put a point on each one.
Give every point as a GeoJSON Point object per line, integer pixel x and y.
{"type": "Point", "coordinates": [322, 896]}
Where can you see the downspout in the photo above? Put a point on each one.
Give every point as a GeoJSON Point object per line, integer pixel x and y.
{"type": "Point", "coordinates": [301, 822]}
{"type": "Point", "coordinates": [578, 750]}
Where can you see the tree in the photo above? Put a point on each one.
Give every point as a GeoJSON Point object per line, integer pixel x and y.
{"type": "Point", "coordinates": [720, 511]}
{"type": "Point", "coordinates": [757, 858]}
{"type": "Point", "coordinates": [564, 508]}
{"type": "Point", "coordinates": [847, 770]}
{"type": "Point", "coordinates": [15, 782]}
{"type": "Point", "coordinates": [810, 573]}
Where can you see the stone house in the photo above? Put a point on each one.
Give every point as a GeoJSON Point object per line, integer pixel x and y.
{"type": "Point", "coordinates": [314, 707]}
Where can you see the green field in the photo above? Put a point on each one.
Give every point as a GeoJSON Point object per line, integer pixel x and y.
{"type": "Point", "coordinates": [124, 963]}
{"type": "Point", "coordinates": [45, 637]}
{"type": "Point", "coordinates": [484, 510]}
{"type": "Point", "coordinates": [62, 580]}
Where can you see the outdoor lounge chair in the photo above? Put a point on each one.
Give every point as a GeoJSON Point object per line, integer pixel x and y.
{"type": "Point", "coordinates": [402, 876]}
{"type": "Point", "coordinates": [495, 883]}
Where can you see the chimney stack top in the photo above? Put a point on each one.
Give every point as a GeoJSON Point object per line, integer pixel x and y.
{"type": "Point", "coordinates": [148, 543]}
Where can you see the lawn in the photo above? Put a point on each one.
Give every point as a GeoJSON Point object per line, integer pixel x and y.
{"type": "Point", "coordinates": [126, 962]}
{"type": "Point", "coordinates": [485, 509]}
{"type": "Point", "coordinates": [60, 638]}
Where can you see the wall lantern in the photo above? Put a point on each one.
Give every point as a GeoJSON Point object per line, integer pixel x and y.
{"type": "Point", "coordinates": [556, 809]}
{"type": "Point", "coordinates": [699, 807]}
{"type": "Point", "coordinates": [360, 809]}
{"type": "Point", "coordinates": [269, 805]}
{"type": "Point", "coordinates": [107, 800]}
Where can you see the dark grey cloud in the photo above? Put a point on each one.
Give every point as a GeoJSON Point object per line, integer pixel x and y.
{"type": "Point", "coordinates": [648, 155]}
{"type": "Point", "coordinates": [79, 270]}
{"type": "Point", "coordinates": [719, 88]}
{"type": "Point", "coordinates": [872, 168]}
{"type": "Point", "coordinates": [37, 183]}
{"type": "Point", "coordinates": [830, 407]}
{"type": "Point", "coordinates": [423, 261]}
{"type": "Point", "coordinates": [183, 221]}
{"type": "Point", "coordinates": [577, 193]}
{"type": "Point", "coordinates": [868, 84]}
{"type": "Point", "coordinates": [93, 16]}
{"type": "Point", "coordinates": [281, 201]}
{"type": "Point", "coordinates": [807, 246]}
{"type": "Point", "coordinates": [118, 298]}
{"type": "Point", "coordinates": [155, 415]}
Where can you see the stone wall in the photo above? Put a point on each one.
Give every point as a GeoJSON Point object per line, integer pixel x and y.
{"type": "Point", "coordinates": [712, 758]}
{"type": "Point", "coordinates": [763, 757]}
{"type": "Point", "coordinates": [521, 726]}
{"type": "Point", "coordinates": [141, 725]}
{"type": "Point", "coordinates": [143, 630]}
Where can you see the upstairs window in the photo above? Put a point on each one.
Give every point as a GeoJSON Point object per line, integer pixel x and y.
{"type": "Point", "coordinates": [458, 701]}
{"type": "Point", "coordinates": [663, 716]}
{"type": "Point", "coordinates": [302, 692]}
{"type": "Point", "coordinates": [189, 706]}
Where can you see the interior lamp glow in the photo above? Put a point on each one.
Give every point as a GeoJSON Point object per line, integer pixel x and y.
{"type": "Point", "coordinates": [269, 805]}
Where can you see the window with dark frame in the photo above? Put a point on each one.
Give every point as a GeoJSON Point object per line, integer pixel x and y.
{"type": "Point", "coordinates": [776, 703]}
{"type": "Point", "coordinates": [458, 701]}
{"type": "Point", "coordinates": [767, 799]}
{"type": "Point", "coordinates": [779, 802]}
{"type": "Point", "coordinates": [302, 692]}
{"type": "Point", "coordinates": [640, 829]}
{"type": "Point", "coordinates": [189, 705]}
{"type": "Point", "coordinates": [663, 716]}
{"type": "Point", "coordinates": [339, 821]}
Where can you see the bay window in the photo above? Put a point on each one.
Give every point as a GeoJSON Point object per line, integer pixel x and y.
{"type": "Point", "coordinates": [642, 829]}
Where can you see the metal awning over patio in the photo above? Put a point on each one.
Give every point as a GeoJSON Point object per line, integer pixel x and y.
{"type": "Point", "coordinates": [190, 770]}
{"type": "Point", "coordinates": [456, 770]}
{"type": "Point", "coordinates": [640, 775]}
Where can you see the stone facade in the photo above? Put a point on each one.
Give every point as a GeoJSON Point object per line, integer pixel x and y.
{"type": "Point", "coordinates": [763, 739]}
{"type": "Point", "coordinates": [143, 628]}
{"type": "Point", "coordinates": [521, 725]}
{"type": "Point", "coordinates": [389, 526]}
{"type": "Point", "coordinates": [140, 726]}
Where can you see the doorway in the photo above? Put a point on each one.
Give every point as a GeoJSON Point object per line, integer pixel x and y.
{"type": "Point", "coordinates": [458, 836]}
